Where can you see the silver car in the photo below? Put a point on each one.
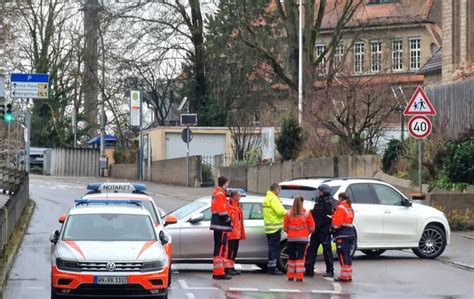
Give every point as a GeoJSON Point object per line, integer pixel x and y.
{"type": "Point", "coordinates": [193, 241]}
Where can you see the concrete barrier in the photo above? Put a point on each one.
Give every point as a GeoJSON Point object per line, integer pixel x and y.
{"type": "Point", "coordinates": [74, 162]}
{"type": "Point", "coordinates": [14, 195]}
{"type": "Point", "coordinates": [124, 171]}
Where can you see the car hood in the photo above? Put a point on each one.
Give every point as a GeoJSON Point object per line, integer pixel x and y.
{"type": "Point", "coordinates": [107, 250]}
{"type": "Point", "coordinates": [427, 210]}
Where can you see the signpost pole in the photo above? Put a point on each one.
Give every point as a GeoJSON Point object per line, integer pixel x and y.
{"type": "Point", "coordinates": [141, 139]}
{"type": "Point", "coordinates": [27, 139]}
{"type": "Point", "coordinates": [420, 160]}
{"type": "Point", "coordinates": [8, 145]}
{"type": "Point", "coordinates": [187, 153]}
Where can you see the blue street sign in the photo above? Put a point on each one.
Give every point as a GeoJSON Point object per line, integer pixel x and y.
{"type": "Point", "coordinates": [33, 78]}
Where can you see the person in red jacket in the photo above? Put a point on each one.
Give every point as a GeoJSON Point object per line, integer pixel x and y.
{"type": "Point", "coordinates": [298, 224]}
{"type": "Point", "coordinates": [344, 233]}
{"type": "Point", "coordinates": [221, 224]}
{"type": "Point", "coordinates": [237, 233]}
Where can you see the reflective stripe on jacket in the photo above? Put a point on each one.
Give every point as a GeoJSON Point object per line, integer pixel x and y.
{"type": "Point", "coordinates": [237, 217]}
{"type": "Point", "coordinates": [342, 221]}
{"type": "Point", "coordinates": [273, 213]}
{"type": "Point", "coordinates": [220, 219]}
{"type": "Point", "coordinates": [299, 226]}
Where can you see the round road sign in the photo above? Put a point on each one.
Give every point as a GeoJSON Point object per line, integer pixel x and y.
{"type": "Point", "coordinates": [187, 135]}
{"type": "Point", "coordinates": [419, 126]}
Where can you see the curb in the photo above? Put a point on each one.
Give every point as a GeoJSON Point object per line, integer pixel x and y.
{"type": "Point", "coordinates": [18, 235]}
{"type": "Point", "coordinates": [459, 265]}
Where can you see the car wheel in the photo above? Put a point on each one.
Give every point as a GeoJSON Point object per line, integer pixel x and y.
{"type": "Point", "coordinates": [432, 243]}
{"type": "Point", "coordinates": [373, 252]}
{"type": "Point", "coordinates": [282, 262]}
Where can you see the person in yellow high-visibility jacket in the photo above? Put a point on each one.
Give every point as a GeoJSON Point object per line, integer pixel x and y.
{"type": "Point", "coordinates": [273, 215]}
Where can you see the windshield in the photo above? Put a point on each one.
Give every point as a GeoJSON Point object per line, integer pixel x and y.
{"type": "Point", "coordinates": [187, 209]}
{"type": "Point", "coordinates": [109, 227]}
{"type": "Point", "coordinates": [308, 193]}
{"type": "Point", "coordinates": [149, 207]}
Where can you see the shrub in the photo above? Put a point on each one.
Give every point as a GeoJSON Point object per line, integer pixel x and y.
{"type": "Point", "coordinates": [290, 141]}
{"type": "Point", "coordinates": [391, 155]}
{"type": "Point", "coordinates": [458, 165]}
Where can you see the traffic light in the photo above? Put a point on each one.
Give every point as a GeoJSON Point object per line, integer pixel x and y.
{"type": "Point", "coordinates": [9, 115]}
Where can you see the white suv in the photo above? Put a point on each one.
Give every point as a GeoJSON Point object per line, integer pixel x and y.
{"type": "Point", "coordinates": [384, 217]}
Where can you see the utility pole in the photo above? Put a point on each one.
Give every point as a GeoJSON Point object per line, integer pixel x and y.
{"type": "Point", "coordinates": [300, 65]}
{"type": "Point", "coordinates": [141, 140]}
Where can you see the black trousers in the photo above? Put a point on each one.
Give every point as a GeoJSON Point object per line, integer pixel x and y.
{"type": "Point", "coordinates": [273, 249]}
{"type": "Point", "coordinates": [296, 250]}
{"type": "Point", "coordinates": [233, 249]}
{"type": "Point", "coordinates": [317, 239]}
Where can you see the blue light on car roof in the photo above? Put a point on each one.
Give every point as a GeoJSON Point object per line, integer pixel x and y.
{"type": "Point", "coordinates": [116, 187]}
{"type": "Point", "coordinates": [140, 187]}
{"type": "Point", "coordinates": [83, 201]}
{"type": "Point", "coordinates": [93, 186]}
{"type": "Point", "coordinates": [242, 191]}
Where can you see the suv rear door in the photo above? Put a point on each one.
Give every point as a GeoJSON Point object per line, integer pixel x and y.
{"type": "Point", "coordinates": [368, 215]}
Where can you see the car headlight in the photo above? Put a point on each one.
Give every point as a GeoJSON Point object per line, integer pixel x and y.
{"type": "Point", "coordinates": [153, 266]}
{"type": "Point", "coordinates": [68, 265]}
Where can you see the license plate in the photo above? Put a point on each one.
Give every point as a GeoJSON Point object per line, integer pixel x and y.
{"type": "Point", "coordinates": [113, 280]}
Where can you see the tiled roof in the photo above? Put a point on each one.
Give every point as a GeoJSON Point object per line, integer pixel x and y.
{"type": "Point", "coordinates": [434, 63]}
{"type": "Point", "coordinates": [398, 12]}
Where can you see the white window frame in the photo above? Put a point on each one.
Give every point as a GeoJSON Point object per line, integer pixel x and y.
{"type": "Point", "coordinates": [375, 56]}
{"type": "Point", "coordinates": [415, 53]}
{"type": "Point", "coordinates": [338, 55]}
{"type": "Point", "coordinates": [319, 49]}
{"type": "Point", "coordinates": [397, 55]}
{"type": "Point", "coordinates": [359, 52]}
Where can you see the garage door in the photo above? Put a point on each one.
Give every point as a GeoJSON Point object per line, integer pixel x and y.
{"type": "Point", "coordinates": [201, 145]}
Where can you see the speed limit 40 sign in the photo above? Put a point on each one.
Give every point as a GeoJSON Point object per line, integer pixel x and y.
{"type": "Point", "coordinates": [419, 126]}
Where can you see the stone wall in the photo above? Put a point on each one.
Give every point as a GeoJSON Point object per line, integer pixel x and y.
{"type": "Point", "coordinates": [172, 171]}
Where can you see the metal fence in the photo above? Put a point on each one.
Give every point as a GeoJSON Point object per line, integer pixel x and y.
{"type": "Point", "coordinates": [210, 164]}
{"type": "Point", "coordinates": [454, 103]}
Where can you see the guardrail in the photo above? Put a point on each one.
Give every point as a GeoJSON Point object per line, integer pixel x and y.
{"type": "Point", "coordinates": [14, 195]}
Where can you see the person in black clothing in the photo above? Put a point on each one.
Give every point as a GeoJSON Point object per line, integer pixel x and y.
{"type": "Point", "coordinates": [322, 212]}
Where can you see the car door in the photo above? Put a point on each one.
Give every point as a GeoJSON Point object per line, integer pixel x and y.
{"type": "Point", "coordinates": [400, 220]}
{"type": "Point", "coordinates": [368, 215]}
{"type": "Point", "coordinates": [255, 246]}
{"type": "Point", "coordinates": [197, 240]}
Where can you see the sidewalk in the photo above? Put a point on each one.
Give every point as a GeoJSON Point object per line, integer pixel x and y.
{"type": "Point", "coordinates": [461, 250]}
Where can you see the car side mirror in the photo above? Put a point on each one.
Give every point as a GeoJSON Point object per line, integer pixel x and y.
{"type": "Point", "coordinates": [164, 239]}
{"type": "Point", "coordinates": [53, 238]}
{"type": "Point", "coordinates": [196, 218]}
{"type": "Point", "coordinates": [170, 219]}
{"type": "Point", "coordinates": [62, 218]}
{"type": "Point", "coordinates": [406, 202]}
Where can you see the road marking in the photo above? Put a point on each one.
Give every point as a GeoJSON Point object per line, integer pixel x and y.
{"type": "Point", "coordinates": [185, 286]}
{"type": "Point", "coordinates": [35, 288]}
{"type": "Point", "coordinates": [243, 289]}
{"type": "Point", "coordinates": [284, 290]}
{"type": "Point", "coordinates": [324, 292]}
{"type": "Point", "coordinates": [337, 287]}
{"type": "Point", "coordinates": [190, 295]}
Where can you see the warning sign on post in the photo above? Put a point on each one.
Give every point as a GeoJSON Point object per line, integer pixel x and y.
{"type": "Point", "coordinates": [419, 104]}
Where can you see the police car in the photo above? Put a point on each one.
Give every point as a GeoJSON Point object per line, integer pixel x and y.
{"type": "Point", "coordinates": [109, 248]}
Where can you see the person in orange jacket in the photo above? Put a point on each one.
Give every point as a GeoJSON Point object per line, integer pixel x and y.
{"type": "Point", "coordinates": [221, 224]}
{"type": "Point", "coordinates": [298, 224]}
{"type": "Point", "coordinates": [237, 233]}
{"type": "Point", "coordinates": [344, 233]}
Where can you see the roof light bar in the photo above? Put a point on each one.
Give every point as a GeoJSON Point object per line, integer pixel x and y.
{"type": "Point", "coordinates": [116, 187]}
{"type": "Point", "coordinates": [82, 201]}
{"type": "Point", "coordinates": [242, 191]}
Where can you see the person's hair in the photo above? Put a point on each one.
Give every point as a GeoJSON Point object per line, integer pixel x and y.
{"type": "Point", "coordinates": [234, 193]}
{"type": "Point", "coordinates": [274, 186]}
{"type": "Point", "coordinates": [298, 204]}
{"type": "Point", "coordinates": [345, 197]}
{"type": "Point", "coordinates": [221, 181]}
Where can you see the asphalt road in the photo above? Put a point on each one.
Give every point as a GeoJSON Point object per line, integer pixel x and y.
{"type": "Point", "coordinates": [396, 274]}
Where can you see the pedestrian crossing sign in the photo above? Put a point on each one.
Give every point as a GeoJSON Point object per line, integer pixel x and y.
{"type": "Point", "coordinates": [419, 104]}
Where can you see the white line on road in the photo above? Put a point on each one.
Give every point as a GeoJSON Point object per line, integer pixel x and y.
{"type": "Point", "coordinates": [185, 286]}
{"type": "Point", "coordinates": [243, 289]}
{"type": "Point", "coordinates": [190, 295]}
{"type": "Point", "coordinates": [35, 288]}
{"type": "Point", "coordinates": [337, 287]}
{"type": "Point", "coordinates": [324, 292]}
{"type": "Point", "coordinates": [284, 290]}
